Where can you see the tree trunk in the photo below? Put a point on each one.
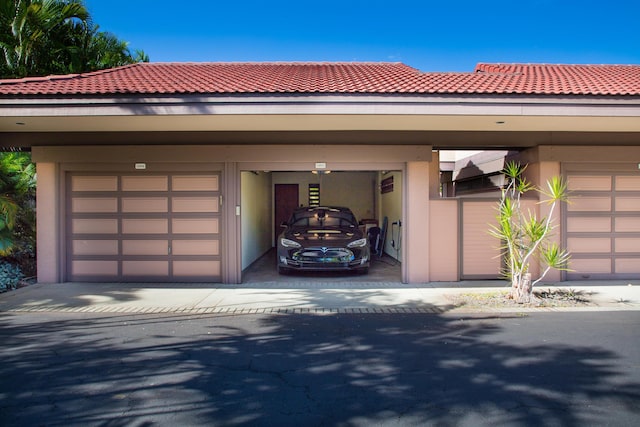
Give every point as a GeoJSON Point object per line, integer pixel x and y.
{"type": "Point", "coordinates": [521, 290]}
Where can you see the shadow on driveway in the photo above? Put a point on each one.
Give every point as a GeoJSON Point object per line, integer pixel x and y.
{"type": "Point", "coordinates": [341, 369]}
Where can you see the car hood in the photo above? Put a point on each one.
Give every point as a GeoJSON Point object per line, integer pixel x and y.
{"type": "Point", "coordinates": [315, 235]}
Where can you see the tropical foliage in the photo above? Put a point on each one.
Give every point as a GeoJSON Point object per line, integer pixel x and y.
{"type": "Point", "coordinates": [525, 238]}
{"type": "Point", "coordinates": [10, 276]}
{"type": "Point", "coordinates": [42, 37]}
{"type": "Point", "coordinates": [17, 210]}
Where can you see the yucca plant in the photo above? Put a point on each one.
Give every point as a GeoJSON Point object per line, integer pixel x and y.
{"type": "Point", "coordinates": [524, 237]}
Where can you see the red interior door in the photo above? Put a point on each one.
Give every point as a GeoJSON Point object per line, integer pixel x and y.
{"type": "Point", "coordinates": [286, 200]}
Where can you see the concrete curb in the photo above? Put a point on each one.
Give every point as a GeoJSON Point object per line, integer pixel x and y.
{"type": "Point", "coordinates": [237, 311]}
{"type": "Point", "coordinates": [374, 298]}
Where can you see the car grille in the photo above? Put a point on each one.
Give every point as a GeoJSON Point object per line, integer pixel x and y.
{"type": "Point", "coordinates": [324, 255]}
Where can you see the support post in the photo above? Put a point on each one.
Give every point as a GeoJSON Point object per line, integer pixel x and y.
{"type": "Point", "coordinates": [415, 265]}
{"type": "Point", "coordinates": [47, 223]}
{"type": "Point", "coordinates": [232, 236]}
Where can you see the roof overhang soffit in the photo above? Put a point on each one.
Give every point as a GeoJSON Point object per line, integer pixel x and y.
{"type": "Point", "coordinates": [308, 113]}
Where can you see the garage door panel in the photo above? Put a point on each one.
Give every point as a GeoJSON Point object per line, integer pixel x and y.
{"type": "Point", "coordinates": [196, 268]}
{"type": "Point", "coordinates": [95, 247]}
{"type": "Point", "coordinates": [95, 205]}
{"type": "Point", "coordinates": [628, 245]}
{"type": "Point", "coordinates": [145, 183]}
{"type": "Point", "coordinates": [141, 228]}
{"type": "Point", "coordinates": [195, 183]}
{"type": "Point", "coordinates": [95, 268]}
{"type": "Point", "coordinates": [145, 226]}
{"type": "Point", "coordinates": [145, 268]}
{"type": "Point", "coordinates": [627, 224]}
{"type": "Point", "coordinates": [627, 265]}
{"type": "Point", "coordinates": [589, 183]}
{"type": "Point", "coordinates": [591, 265]}
{"type": "Point", "coordinates": [602, 226]}
{"type": "Point", "coordinates": [627, 204]}
{"type": "Point", "coordinates": [94, 183]}
{"type": "Point", "coordinates": [195, 226]}
{"type": "Point", "coordinates": [578, 245]}
{"type": "Point", "coordinates": [195, 204]}
{"type": "Point", "coordinates": [590, 204]}
{"type": "Point", "coordinates": [145, 247]}
{"type": "Point", "coordinates": [94, 226]}
{"type": "Point", "coordinates": [195, 247]}
{"type": "Point", "coordinates": [589, 224]}
{"type": "Point", "coordinates": [145, 205]}
{"type": "Point", "coordinates": [628, 183]}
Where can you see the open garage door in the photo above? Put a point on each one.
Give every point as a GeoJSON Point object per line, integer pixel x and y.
{"type": "Point", "coordinates": [359, 190]}
{"type": "Point", "coordinates": [143, 227]}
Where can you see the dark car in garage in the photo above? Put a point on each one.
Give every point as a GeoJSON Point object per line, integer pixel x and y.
{"type": "Point", "coordinates": [321, 239]}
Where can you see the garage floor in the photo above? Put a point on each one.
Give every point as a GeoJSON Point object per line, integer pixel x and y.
{"type": "Point", "coordinates": [383, 269]}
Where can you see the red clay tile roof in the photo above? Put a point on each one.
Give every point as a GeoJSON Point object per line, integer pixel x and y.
{"type": "Point", "coordinates": [569, 79]}
{"type": "Point", "coordinates": [334, 78]}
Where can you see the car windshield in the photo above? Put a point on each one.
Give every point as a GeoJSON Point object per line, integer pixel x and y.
{"type": "Point", "coordinates": [323, 218]}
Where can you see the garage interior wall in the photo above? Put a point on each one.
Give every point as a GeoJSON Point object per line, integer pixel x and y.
{"type": "Point", "coordinates": [353, 189]}
{"type": "Point", "coordinates": [256, 215]}
{"type": "Point", "coordinates": [391, 207]}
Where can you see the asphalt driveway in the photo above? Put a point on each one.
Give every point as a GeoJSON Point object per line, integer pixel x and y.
{"type": "Point", "coordinates": [537, 369]}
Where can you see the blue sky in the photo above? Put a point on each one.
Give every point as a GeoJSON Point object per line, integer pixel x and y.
{"type": "Point", "coordinates": [431, 36]}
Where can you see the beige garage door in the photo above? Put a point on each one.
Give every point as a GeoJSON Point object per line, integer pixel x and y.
{"type": "Point", "coordinates": [143, 227]}
{"type": "Point", "coordinates": [480, 251]}
{"type": "Point", "coordinates": [603, 226]}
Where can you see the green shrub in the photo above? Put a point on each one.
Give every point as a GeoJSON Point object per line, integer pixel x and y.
{"type": "Point", "coordinates": [10, 275]}
{"type": "Point", "coordinates": [24, 257]}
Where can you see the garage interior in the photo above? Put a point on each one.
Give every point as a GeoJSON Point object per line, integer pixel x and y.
{"type": "Point", "coordinates": [268, 197]}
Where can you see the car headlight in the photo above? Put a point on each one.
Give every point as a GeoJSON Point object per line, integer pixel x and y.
{"type": "Point", "coordinates": [290, 243]}
{"type": "Point", "coordinates": [360, 243]}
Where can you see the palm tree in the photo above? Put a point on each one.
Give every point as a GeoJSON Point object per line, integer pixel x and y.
{"type": "Point", "coordinates": [34, 33]}
{"type": "Point", "coordinates": [104, 50]}
{"type": "Point", "coordinates": [40, 37]}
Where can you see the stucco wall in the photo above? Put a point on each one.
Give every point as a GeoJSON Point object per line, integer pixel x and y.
{"type": "Point", "coordinates": [255, 215]}
{"type": "Point", "coordinates": [443, 240]}
{"type": "Point", "coordinates": [47, 223]}
{"type": "Point", "coordinates": [416, 191]}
